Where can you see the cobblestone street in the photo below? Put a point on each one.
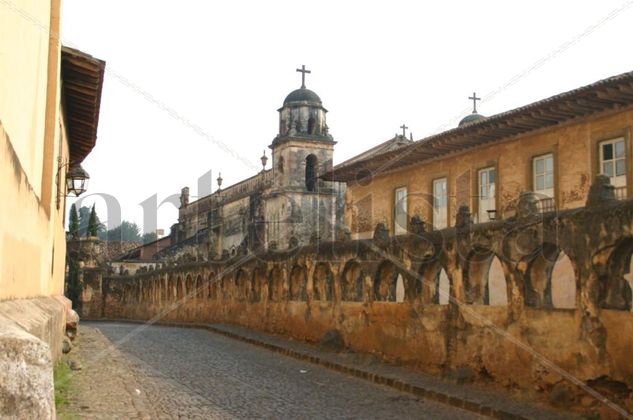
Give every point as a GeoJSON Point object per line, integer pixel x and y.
{"type": "Point", "coordinates": [166, 372]}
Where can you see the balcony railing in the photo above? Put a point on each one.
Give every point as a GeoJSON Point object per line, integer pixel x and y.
{"type": "Point", "coordinates": [547, 204]}
{"type": "Point", "coordinates": [620, 193]}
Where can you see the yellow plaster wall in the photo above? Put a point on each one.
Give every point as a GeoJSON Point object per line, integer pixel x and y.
{"type": "Point", "coordinates": [575, 160]}
{"type": "Point", "coordinates": [32, 137]}
{"type": "Point", "coordinates": [24, 41]}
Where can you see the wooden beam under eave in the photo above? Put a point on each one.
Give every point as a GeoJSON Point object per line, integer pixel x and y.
{"type": "Point", "coordinates": [609, 97]}
{"type": "Point", "coordinates": [593, 106]}
{"type": "Point", "coordinates": [538, 115]}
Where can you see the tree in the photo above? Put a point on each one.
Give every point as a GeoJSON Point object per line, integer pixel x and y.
{"type": "Point", "coordinates": [85, 213]}
{"type": "Point", "coordinates": [149, 237]}
{"type": "Point", "coordinates": [93, 225]}
{"type": "Point", "coordinates": [126, 232]}
{"type": "Point", "coordinates": [73, 222]}
{"type": "Point", "coordinates": [84, 219]}
{"type": "Point", "coordinates": [73, 285]}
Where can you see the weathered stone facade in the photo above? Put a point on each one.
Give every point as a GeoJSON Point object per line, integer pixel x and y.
{"type": "Point", "coordinates": [279, 208]}
{"type": "Point", "coordinates": [427, 299]}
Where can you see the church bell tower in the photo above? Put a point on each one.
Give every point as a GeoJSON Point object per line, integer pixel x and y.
{"type": "Point", "coordinates": [302, 207]}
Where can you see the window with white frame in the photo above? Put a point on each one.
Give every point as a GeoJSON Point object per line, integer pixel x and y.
{"type": "Point", "coordinates": [487, 179]}
{"type": "Point", "coordinates": [440, 203]}
{"type": "Point", "coordinates": [400, 211]}
{"type": "Point", "coordinates": [543, 175]}
{"type": "Point", "coordinates": [613, 161]}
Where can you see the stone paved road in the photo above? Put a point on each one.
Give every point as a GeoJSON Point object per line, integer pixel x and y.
{"type": "Point", "coordinates": [190, 373]}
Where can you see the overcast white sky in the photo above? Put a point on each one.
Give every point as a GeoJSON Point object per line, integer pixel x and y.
{"type": "Point", "coordinates": [226, 66]}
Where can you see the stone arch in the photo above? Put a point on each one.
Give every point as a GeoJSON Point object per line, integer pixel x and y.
{"type": "Point", "coordinates": [242, 285]}
{"type": "Point", "coordinates": [400, 288]}
{"type": "Point", "coordinates": [227, 287]}
{"type": "Point", "coordinates": [298, 283]}
{"type": "Point", "coordinates": [385, 282]}
{"type": "Point", "coordinates": [322, 282]}
{"type": "Point", "coordinates": [563, 283]}
{"type": "Point", "coordinates": [213, 286]}
{"type": "Point", "coordinates": [189, 287]}
{"type": "Point", "coordinates": [147, 290]}
{"type": "Point", "coordinates": [152, 289]}
{"type": "Point", "coordinates": [162, 289]}
{"type": "Point", "coordinates": [259, 282]}
{"type": "Point", "coordinates": [437, 284]}
{"type": "Point", "coordinates": [484, 280]}
{"type": "Point", "coordinates": [180, 288]}
{"type": "Point", "coordinates": [444, 288]}
{"type": "Point", "coordinates": [352, 281]}
{"type": "Point", "coordinates": [140, 290]}
{"type": "Point", "coordinates": [199, 287]}
{"type": "Point", "coordinates": [275, 285]}
{"type": "Point", "coordinates": [170, 288]}
{"type": "Point", "coordinates": [497, 285]}
{"type": "Point", "coordinates": [146, 293]}
{"type": "Point", "coordinates": [616, 284]}
{"type": "Point", "coordinates": [538, 277]}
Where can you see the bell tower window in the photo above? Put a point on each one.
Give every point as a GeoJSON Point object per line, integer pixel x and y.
{"type": "Point", "coordinates": [311, 169]}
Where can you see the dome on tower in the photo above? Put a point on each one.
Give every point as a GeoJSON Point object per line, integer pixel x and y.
{"type": "Point", "coordinates": [302, 115]}
{"type": "Point", "coordinates": [471, 118]}
{"type": "Point", "coordinates": [302, 95]}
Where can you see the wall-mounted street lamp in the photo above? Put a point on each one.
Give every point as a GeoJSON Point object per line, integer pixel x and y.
{"type": "Point", "coordinates": [76, 180]}
{"type": "Point", "coordinates": [219, 180]}
{"type": "Point", "coordinates": [264, 160]}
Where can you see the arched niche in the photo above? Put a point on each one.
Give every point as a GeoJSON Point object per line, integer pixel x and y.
{"type": "Point", "coordinates": [322, 283]}
{"type": "Point", "coordinates": [259, 284]}
{"type": "Point", "coordinates": [275, 285]}
{"type": "Point", "coordinates": [352, 282]}
{"type": "Point", "coordinates": [297, 283]}
{"type": "Point", "coordinates": [385, 282]}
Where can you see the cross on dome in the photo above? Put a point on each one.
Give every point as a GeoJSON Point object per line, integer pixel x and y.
{"type": "Point", "coordinates": [303, 72]}
{"type": "Point", "coordinates": [474, 98]}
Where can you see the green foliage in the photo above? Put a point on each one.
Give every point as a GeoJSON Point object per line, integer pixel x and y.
{"type": "Point", "coordinates": [126, 232]}
{"type": "Point", "coordinates": [85, 214]}
{"type": "Point", "coordinates": [62, 375]}
{"type": "Point", "coordinates": [73, 227]}
{"type": "Point", "coordinates": [73, 285]}
{"type": "Point", "coordinates": [93, 224]}
{"type": "Point", "coordinates": [149, 237]}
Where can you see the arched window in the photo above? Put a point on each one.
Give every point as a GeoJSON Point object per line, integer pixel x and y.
{"type": "Point", "coordinates": [311, 169]}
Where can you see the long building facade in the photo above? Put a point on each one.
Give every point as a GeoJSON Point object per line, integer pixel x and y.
{"type": "Point", "coordinates": [553, 148]}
